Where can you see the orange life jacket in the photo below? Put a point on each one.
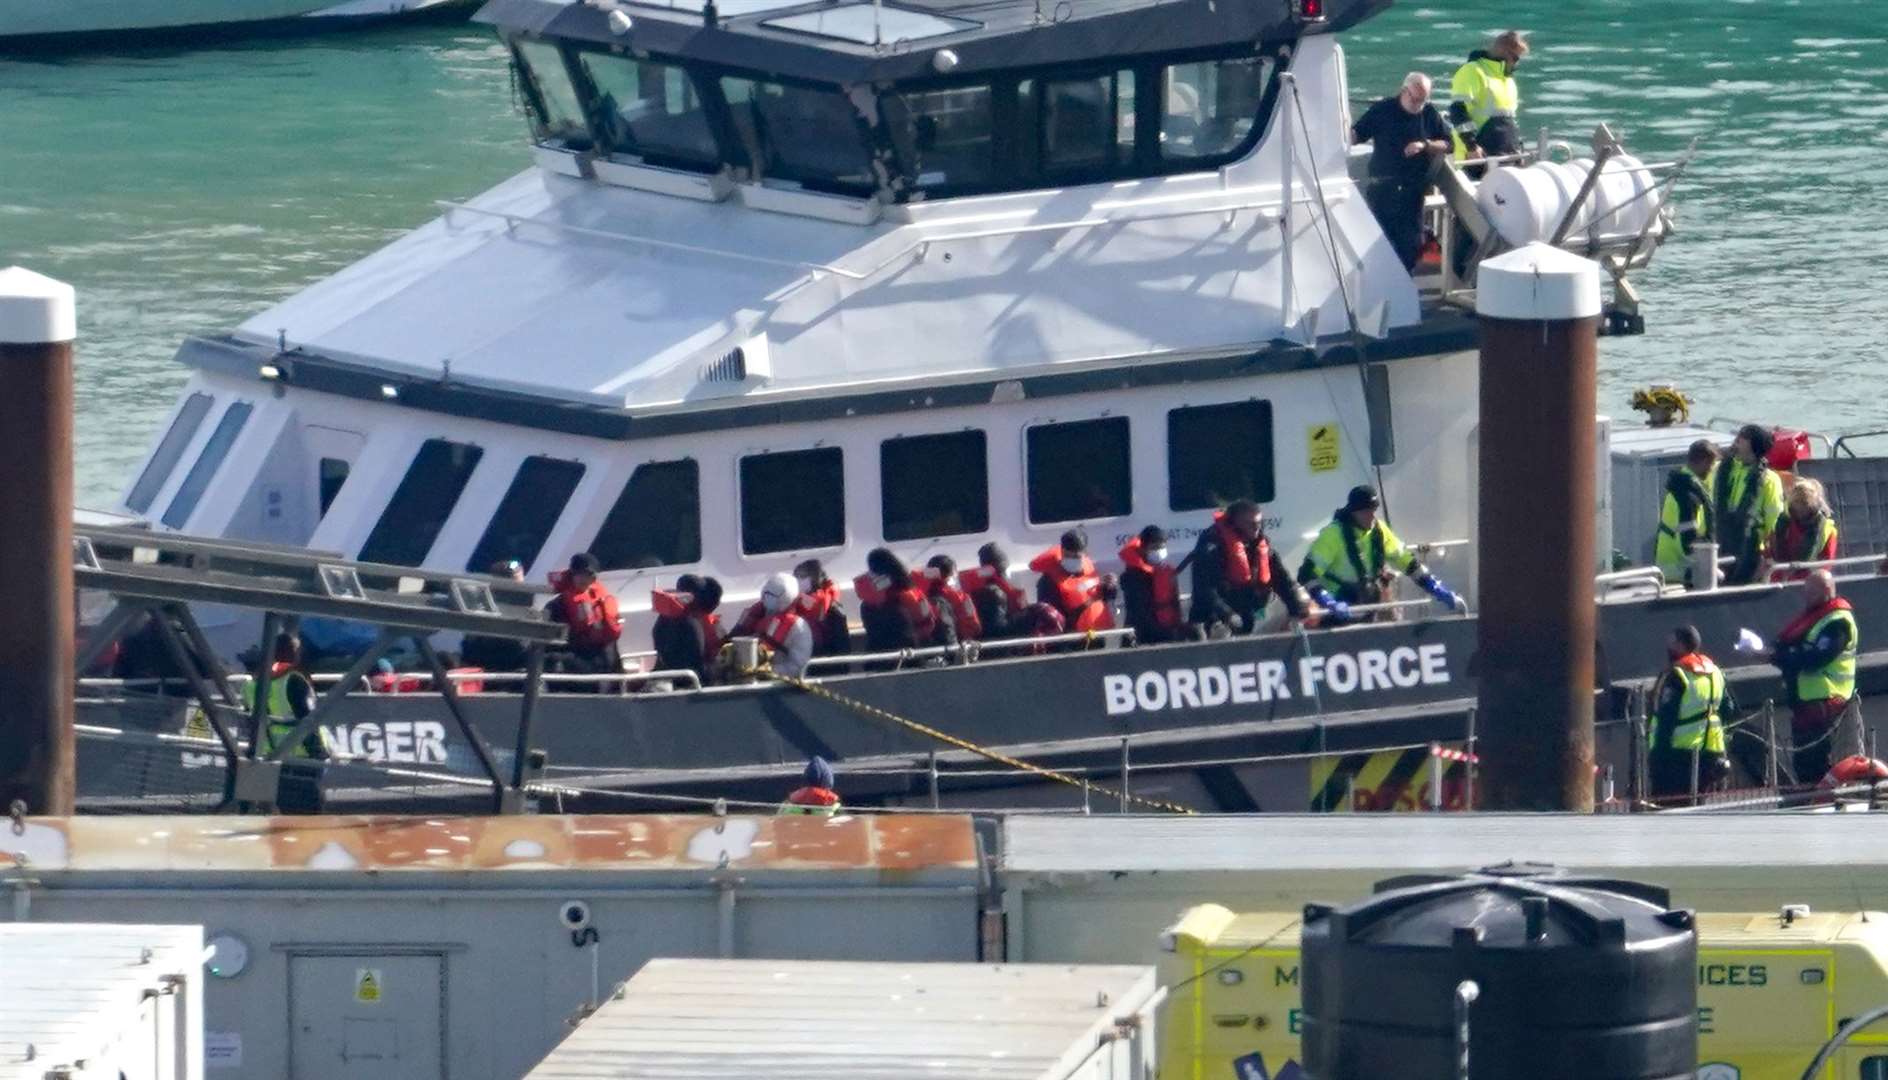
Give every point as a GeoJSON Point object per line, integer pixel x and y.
{"type": "Point", "coordinates": [1166, 584]}
{"type": "Point", "coordinates": [773, 629]}
{"type": "Point", "coordinates": [910, 600]}
{"type": "Point", "coordinates": [980, 577]}
{"type": "Point", "coordinates": [1097, 615]}
{"type": "Point", "coordinates": [963, 610]}
{"type": "Point", "coordinates": [590, 612]}
{"type": "Point", "coordinates": [1073, 591]}
{"type": "Point", "coordinates": [678, 605]}
{"type": "Point", "coordinates": [1800, 627]}
{"type": "Point", "coordinates": [1242, 571]}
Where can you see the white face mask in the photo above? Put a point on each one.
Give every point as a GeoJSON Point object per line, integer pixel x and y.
{"type": "Point", "coordinates": [1157, 556]}
{"type": "Point", "coordinates": [1072, 563]}
{"type": "Point", "coordinates": [806, 584]}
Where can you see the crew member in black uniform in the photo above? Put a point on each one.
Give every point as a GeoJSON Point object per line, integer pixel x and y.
{"type": "Point", "coordinates": [1406, 135]}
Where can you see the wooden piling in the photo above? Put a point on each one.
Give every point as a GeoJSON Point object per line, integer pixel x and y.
{"type": "Point", "coordinates": [1540, 313]}
{"type": "Point", "coordinates": [37, 328]}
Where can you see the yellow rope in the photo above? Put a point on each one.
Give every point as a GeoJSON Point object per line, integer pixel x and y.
{"type": "Point", "coordinates": [928, 731]}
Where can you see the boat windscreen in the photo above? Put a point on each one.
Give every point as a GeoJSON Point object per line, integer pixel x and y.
{"type": "Point", "coordinates": [792, 132]}
{"type": "Point", "coordinates": [650, 109]}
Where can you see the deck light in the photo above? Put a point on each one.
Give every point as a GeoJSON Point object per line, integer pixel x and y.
{"type": "Point", "coordinates": [269, 371]}
{"type": "Point", "coordinates": [620, 22]}
{"type": "Point", "coordinates": [1310, 10]}
{"type": "Point", "coordinates": [944, 60]}
{"type": "Point", "coordinates": [389, 391]}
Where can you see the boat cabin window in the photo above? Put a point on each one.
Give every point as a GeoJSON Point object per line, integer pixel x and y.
{"type": "Point", "coordinates": [527, 513]}
{"type": "Point", "coordinates": [650, 109]}
{"type": "Point", "coordinates": [330, 476]}
{"type": "Point", "coordinates": [1079, 471]}
{"type": "Point", "coordinates": [1219, 453]}
{"type": "Point", "coordinates": [793, 501]}
{"type": "Point", "coordinates": [656, 521]}
{"type": "Point", "coordinates": [420, 505]}
{"type": "Point", "coordinates": [1083, 126]}
{"type": "Point", "coordinates": [1210, 107]}
{"type": "Point", "coordinates": [551, 101]}
{"type": "Point", "coordinates": [946, 139]}
{"type": "Point", "coordinates": [215, 449]}
{"type": "Point", "coordinates": [1874, 1068]}
{"type": "Point", "coordinates": [791, 132]}
{"type": "Point", "coordinates": [169, 449]}
{"type": "Point", "coordinates": [934, 485]}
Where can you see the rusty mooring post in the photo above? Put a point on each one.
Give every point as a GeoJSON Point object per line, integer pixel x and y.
{"type": "Point", "coordinates": [1539, 309]}
{"type": "Point", "coordinates": [36, 595]}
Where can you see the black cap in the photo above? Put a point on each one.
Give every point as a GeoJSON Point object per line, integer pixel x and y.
{"type": "Point", "coordinates": [1362, 497]}
{"type": "Point", "coordinates": [585, 563]}
{"type": "Point", "coordinates": [1074, 541]}
{"type": "Point", "coordinates": [1153, 536]}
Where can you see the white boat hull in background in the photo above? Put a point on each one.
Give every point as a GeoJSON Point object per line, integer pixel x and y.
{"type": "Point", "coordinates": [36, 18]}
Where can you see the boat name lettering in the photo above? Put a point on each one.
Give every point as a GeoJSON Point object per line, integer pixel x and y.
{"type": "Point", "coordinates": [1257, 681]}
{"type": "Point", "coordinates": [408, 742]}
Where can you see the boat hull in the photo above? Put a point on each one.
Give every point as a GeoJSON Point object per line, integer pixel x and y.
{"type": "Point", "coordinates": [34, 24]}
{"type": "Point", "coordinates": [1195, 719]}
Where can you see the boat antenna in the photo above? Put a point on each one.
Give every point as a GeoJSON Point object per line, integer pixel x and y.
{"type": "Point", "coordinates": [877, 39]}
{"type": "Point", "coordinates": [709, 16]}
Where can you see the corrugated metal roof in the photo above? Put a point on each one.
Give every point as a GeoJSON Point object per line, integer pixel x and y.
{"type": "Point", "coordinates": [1400, 842]}
{"type": "Point", "coordinates": [887, 843]}
{"type": "Point", "coordinates": [69, 991]}
{"type": "Point", "coordinates": [828, 1021]}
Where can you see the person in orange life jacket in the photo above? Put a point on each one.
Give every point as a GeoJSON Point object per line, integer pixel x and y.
{"type": "Point", "coordinates": [588, 611]}
{"type": "Point", "coordinates": [895, 611]}
{"type": "Point", "coordinates": [953, 603]}
{"type": "Point", "coordinates": [1000, 605]}
{"type": "Point", "coordinates": [1816, 654]}
{"type": "Point", "coordinates": [1099, 612]}
{"type": "Point", "coordinates": [816, 796]}
{"type": "Point", "coordinates": [776, 620]}
{"type": "Point", "coordinates": [1235, 571]}
{"type": "Point", "coordinates": [687, 631]}
{"type": "Point", "coordinates": [819, 605]}
{"type": "Point", "coordinates": [289, 686]}
{"type": "Point", "coordinates": [1688, 701]}
{"type": "Point", "coordinates": [1150, 589]}
{"type": "Point", "coordinates": [1804, 532]}
{"type": "Point", "coordinates": [1068, 576]}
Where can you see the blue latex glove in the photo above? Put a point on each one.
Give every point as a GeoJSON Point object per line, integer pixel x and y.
{"type": "Point", "coordinates": [1443, 596]}
{"type": "Point", "coordinates": [1337, 612]}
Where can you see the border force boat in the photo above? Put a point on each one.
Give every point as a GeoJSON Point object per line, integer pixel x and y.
{"type": "Point", "coordinates": [795, 279]}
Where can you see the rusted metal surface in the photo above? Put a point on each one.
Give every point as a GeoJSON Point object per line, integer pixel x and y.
{"type": "Point", "coordinates": [886, 843]}
{"type": "Point", "coordinates": [36, 643]}
{"type": "Point", "coordinates": [1535, 551]}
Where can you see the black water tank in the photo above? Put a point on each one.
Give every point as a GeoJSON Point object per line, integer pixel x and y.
{"type": "Point", "coordinates": [1576, 978]}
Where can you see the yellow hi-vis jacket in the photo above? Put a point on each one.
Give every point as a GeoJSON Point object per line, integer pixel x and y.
{"type": "Point", "coordinates": [1484, 87]}
{"type": "Point", "coordinates": [1745, 509]}
{"type": "Point", "coordinates": [1835, 679]}
{"type": "Point", "coordinates": [1677, 530]}
{"type": "Point", "coordinates": [1697, 725]}
{"type": "Point", "coordinates": [281, 720]}
{"type": "Point", "coordinates": [1344, 555]}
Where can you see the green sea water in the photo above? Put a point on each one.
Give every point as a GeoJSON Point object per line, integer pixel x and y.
{"type": "Point", "coordinates": [183, 190]}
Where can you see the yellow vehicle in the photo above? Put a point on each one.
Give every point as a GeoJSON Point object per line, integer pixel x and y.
{"type": "Point", "coordinates": [1772, 988]}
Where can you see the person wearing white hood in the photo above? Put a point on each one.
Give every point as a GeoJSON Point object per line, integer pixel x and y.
{"type": "Point", "coordinates": [784, 631]}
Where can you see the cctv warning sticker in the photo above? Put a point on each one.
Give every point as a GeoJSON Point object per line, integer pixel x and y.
{"type": "Point", "coordinates": [1321, 452]}
{"type": "Point", "coordinates": [367, 985]}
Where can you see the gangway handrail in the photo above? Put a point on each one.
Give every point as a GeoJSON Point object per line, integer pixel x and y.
{"type": "Point", "coordinates": [968, 650]}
